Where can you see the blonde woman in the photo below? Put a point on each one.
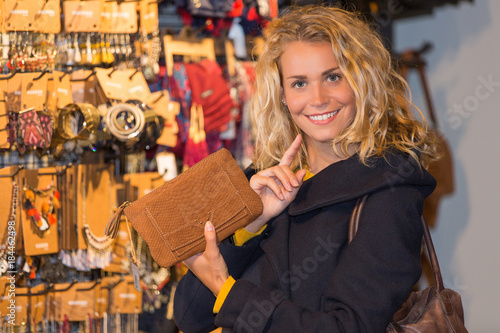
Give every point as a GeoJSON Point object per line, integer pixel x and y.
{"type": "Point", "coordinates": [332, 125]}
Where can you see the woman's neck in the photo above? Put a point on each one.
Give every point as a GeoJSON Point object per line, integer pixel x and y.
{"type": "Point", "coordinates": [322, 155]}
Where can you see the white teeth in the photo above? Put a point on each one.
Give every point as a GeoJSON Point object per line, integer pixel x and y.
{"type": "Point", "coordinates": [324, 116]}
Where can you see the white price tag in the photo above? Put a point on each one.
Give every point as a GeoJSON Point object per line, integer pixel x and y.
{"type": "Point", "coordinates": [135, 272]}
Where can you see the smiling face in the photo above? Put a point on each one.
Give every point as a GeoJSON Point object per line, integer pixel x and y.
{"type": "Point", "coordinates": [318, 96]}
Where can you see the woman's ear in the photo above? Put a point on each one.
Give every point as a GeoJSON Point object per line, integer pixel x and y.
{"type": "Point", "coordinates": [283, 100]}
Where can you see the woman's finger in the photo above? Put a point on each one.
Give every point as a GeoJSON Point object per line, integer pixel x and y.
{"type": "Point", "coordinates": [211, 239]}
{"type": "Point", "coordinates": [300, 176]}
{"type": "Point", "coordinates": [291, 151]}
{"type": "Point", "coordinates": [258, 182]}
{"type": "Point", "coordinates": [282, 175]}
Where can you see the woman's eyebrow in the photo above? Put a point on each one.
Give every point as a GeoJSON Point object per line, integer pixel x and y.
{"type": "Point", "coordinates": [303, 77]}
{"type": "Point", "coordinates": [328, 71]}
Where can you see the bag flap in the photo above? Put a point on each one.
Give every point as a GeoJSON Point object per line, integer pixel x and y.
{"type": "Point", "coordinates": [173, 216]}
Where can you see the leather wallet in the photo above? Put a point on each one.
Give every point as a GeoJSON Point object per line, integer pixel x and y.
{"type": "Point", "coordinates": [171, 218]}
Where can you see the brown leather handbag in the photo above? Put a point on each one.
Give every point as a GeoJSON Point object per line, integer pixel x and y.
{"type": "Point", "coordinates": [433, 310]}
{"type": "Point", "coordinates": [171, 218]}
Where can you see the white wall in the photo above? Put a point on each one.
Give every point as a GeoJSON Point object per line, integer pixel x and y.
{"type": "Point", "coordinates": [466, 53]}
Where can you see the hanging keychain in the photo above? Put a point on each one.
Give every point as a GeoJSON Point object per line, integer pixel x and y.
{"type": "Point", "coordinates": [118, 321]}
{"type": "Point", "coordinates": [78, 55]}
{"type": "Point", "coordinates": [89, 50]}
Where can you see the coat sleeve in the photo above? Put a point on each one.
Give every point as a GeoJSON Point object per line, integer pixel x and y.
{"type": "Point", "coordinates": [193, 302]}
{"type": "Point", "coordinates": [373, 277]}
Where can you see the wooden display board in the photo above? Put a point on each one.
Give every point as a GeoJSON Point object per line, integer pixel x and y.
{"type": "Point", "coordinates": [19, 15]}
{"type": "Point", "coordinates": [38, 304]}
{"type": "Point", "coordinates": [124, 298]}
{"type": "Point", "coordinates": [77, 302]}
{"type": "Point", "coordinates": [123, 85]}
{"type": "Point", "coordinates": [39, 242]}
{"type": "Point", "coordinates": [118, 17]}
{"type": "Point", "coordinates": [10, 300]}
{"type": "Point", "coordinates": [191, 50]}
{"type": "Point", "coordinates": [83, 91]}
{"type": "Point", "coordinates": [82, 16]}
{"type": "Point", "coordinates": [148, 16]}
{"type": "Point", "coordinates": [47, 17]}
{"type": "Point", "coordinates": [69, 219]}
{"type": "Point", "coordinates": [14, 87]}
{"type": "Point", "coordinates": [9, 176]}
{"type": "Point", "coordinates": [4, 117]}
{"type": "Point", "coordinates": [96, 199]}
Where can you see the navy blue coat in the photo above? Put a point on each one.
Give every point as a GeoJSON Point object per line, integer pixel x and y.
{"type": "Point", "coordinates": [300, 275]}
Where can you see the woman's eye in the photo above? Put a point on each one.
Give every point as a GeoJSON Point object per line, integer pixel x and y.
{"type": "Point", "coordinates": [333, 77]}
{"type": "Point", "coordinates": [299, 84]}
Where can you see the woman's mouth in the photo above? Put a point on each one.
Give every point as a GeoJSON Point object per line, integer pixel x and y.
{"type": "Point", "coordinates": [323, 117]}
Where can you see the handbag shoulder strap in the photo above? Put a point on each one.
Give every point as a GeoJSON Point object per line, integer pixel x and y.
{"type": "Point", "coordinates": [354, 221]}
{"type": "Point", "coordinates": [353, 228]}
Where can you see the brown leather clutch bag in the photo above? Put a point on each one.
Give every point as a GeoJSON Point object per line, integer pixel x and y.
{"type": "Point", "coordinates": [171, 218]}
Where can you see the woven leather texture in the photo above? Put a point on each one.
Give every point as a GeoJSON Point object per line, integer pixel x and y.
{"type": "Point", "coordinates": [171, 219]}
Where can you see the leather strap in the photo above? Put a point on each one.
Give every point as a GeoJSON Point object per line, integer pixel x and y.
{"type": "Point", "coordinates": [113, 224]}
{"type": "Point", "coordinates": [354, 221]}
{"type": "Point", "coordinates": [353, 228]}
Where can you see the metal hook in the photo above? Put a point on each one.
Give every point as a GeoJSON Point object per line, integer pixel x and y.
{"type": "Point", "coordinates": [85, 79]}
{"type": "Point", "coordinates": [67, 288]}
{"type": "Point", "coordinates": [131, 76]}
{"type": "Point", "coordinates": [114, 70]}
{"type": "Point", "coordinates": [98, 281]}
{"type": "Point", "coordinates": [41, 75]}
{"type": "Point", "coordinates": [9, 76]}
{"type": "Point", "coordinates": [160, 176]}
{"type": "Point", "coordinates": [57, 173]}
{"type": "Point", "coordinates": [19, 168]}
{"type": "Point", "coordinates": [66, 72]}
{"type": "Point", "coordinates": [17, 280]}
{"type": "Point", "coordinates": [158, 98]}
{"type": "Point", "coordinates": [41, 292]}
{"type": "Point", "coordinates": [112, 285]}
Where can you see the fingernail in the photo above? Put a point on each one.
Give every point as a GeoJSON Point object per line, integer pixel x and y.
{"type": "Point", "coordinates": [295, 182]}
{"type": "Point", "coordinates": [209, 226]}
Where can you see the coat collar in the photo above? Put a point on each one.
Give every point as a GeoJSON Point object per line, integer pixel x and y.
{"type": "Point", "coordinates": [350, 179]}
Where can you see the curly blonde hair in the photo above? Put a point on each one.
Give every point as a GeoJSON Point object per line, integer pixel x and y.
{"type": "Point", "coordinates": [383, 119]}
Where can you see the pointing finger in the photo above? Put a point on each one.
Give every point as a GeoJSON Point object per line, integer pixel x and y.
{"type": "Point", "coordinates": [291, 151]}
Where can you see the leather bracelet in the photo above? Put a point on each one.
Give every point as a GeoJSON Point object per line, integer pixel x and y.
{"type": "Point", "coordinates": [152, 128]}
{"type": "Point", "coordinates": [133, 124]}
{"type": "Point", "coordinates": [125, 121]}
{"type": "Point", "coordinates": [91, 121]}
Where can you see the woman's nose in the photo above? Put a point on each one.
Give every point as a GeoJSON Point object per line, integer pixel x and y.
{"type": "Point", "coordinates": [319, 96]}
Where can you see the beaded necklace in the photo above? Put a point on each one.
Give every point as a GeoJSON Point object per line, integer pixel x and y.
{"type": "Point", "coordinates": [99, 249]}
{"type": "Point", "coordinates": [11, 229]}
{"type": "Point", "coordinates": [47, 217]}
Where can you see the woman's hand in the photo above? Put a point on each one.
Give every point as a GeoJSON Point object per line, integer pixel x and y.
{"type": "Point", "coordinates": [209, 266]}
{"type": "Point", "coordinates": [277, 186]}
